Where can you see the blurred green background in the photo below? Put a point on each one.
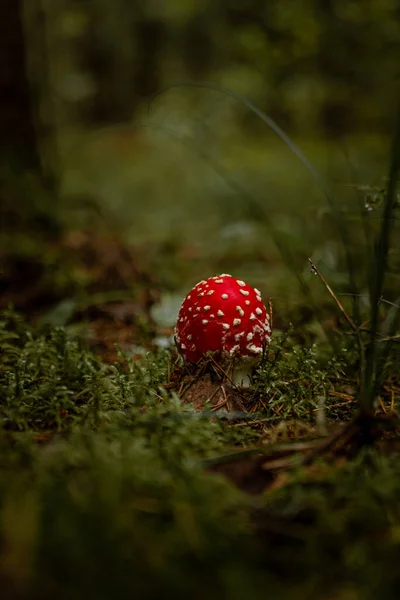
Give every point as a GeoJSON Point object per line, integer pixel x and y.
{"type": "Point", "coordinates": [192, 171]}
{"type": "Point", "coordinates": [121, 186]}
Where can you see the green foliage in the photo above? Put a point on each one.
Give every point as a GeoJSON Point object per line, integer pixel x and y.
{"type": "Point", "coordinates": [105, 517]}
{"type": "Point", "coordinates": [295, 380]}
{"type": "Point", "coordinates": [50, 381]}
{"type": "Point", "coordinates": [115, 500]}
{"type": "Point", "coordinates": [354, 514]}
{"type": "Point", "coordinates": [47, 374]}
{"type": "Point", "coordinates": [375, 359]}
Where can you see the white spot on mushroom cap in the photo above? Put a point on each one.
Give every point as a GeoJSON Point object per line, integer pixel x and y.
{"type": "Point", "coordinates": [220, 313]}
{"type": "Point", "coordinates": [200, 294]}
{"type": "Point", "coordinates": [240, 282]}
{"type": "Point", "coordinates": [252, 317]}
{"type": "Point", "coordinates": [225, 296]}
{"type": "Point", "coordinates": [240, 311]}
{"type": "Point", "coordinates": [189, 336]}
{"type": "Point", "coordinates": [204, 321]}
{"type": "Point", "coordinates": [206, 308]}
{"type": "Point", "coordinates": [257, 292]}
{"type": "Point", "coordinates": [249, 336]}
{"type": "Point", "coordinates": [234, 350]}
{"type": "Point", "coordinates": [259, 310]}
{"type": "Point", "coordinates": [247, 302]}
{"type": "Point", "coordinates": [244, 292]}
{"type": "Point", "coordinates": [198, 308]}
{"type": "Point", "coordinates": [255, 349]}
{"type": "Point", "coordinates": [237, 321]}
{"type": "Point", "coordinates": [219, 281]}
{"type": "Point", "coordinates": [239, 335]}
{"type": "Point", "coordinates": [210, 293]}
{"type": "Point", "coordinates": [226, 325]}
{"type": "Point", "coordinates": [183, 346]}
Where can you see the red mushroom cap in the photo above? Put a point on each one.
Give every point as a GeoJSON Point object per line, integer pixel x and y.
{"type": "Point", "coordinates": [225, 316]}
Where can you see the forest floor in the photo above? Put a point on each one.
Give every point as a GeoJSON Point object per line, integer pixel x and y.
{"type": "Point", "coordinates": [121, 474]}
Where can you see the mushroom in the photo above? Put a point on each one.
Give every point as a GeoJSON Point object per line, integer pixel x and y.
{"type": "Point", "coordinates": [225, 317]}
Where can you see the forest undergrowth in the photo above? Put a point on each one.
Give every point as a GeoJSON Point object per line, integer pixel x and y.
{"type": "Point", "coordinates": [110, 483]}
{"type": "Point", "coordinates": [123, 474]}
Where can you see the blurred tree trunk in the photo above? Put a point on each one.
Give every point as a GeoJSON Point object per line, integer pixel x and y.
{"type": "Point", "coordinates": [198, 46]}
{"type": "Point", "coordinates": [151, 41]}
{"type": "Point", "coordinates": [107, 54]}
{"type": "Point", "coordinates": [27, 122]}
{"type": "Point", "coordinates": [333, 69]}
{"type": "Point", "coordinates": [123, 53]}
{"type": "Point", "coordinates": [28, 150]}
{"type": "Point", "coordinates": [18, 139]}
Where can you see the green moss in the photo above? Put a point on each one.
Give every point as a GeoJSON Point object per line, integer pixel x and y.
{"type": "Point", "coordinates": [103, 491]}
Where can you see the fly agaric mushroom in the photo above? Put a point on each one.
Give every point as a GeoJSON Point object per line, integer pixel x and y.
{"type": "Point", "coordinates": [227, 318]}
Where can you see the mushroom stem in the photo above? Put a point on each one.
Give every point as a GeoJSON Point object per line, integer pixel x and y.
{"type": "Point", "coordinates": [240, 372]}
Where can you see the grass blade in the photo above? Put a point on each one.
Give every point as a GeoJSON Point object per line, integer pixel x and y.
{"type": "Point", "coordinates": [374, 367]}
